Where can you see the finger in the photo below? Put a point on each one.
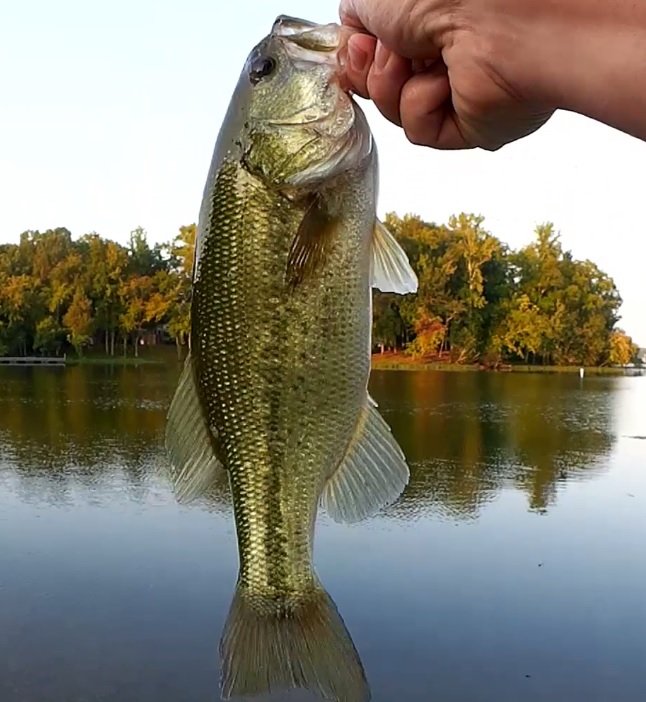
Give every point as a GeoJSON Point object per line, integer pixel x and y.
{"type": "Point", "coordinates": [408, 26]}
{"type": "Point", "coordinates": [427, 115]}
{"type": "Point", "coordinates": [386, 78]}
{"type": "Point", "coordinates": [349, 15]}
{"type": "Point", "coordinates": [360, 56]}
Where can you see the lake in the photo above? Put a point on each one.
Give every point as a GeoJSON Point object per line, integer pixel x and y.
{"type": "Point", "coordinates": [512, 568]}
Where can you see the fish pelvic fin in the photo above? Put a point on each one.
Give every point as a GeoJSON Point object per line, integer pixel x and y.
{"type": "Point", "coordinates": [191, 445]}
{"type": "Point", "coordinates": [390, 269]}
{"type": "Point", "coordinates": [281, 643]}
{"type": "Point", "coordinates": [372, 474]}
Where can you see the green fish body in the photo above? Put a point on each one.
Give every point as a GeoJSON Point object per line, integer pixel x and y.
{"type": "Point", "coordinates": [274, 391]}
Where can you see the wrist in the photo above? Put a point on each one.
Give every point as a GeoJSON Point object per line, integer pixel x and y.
{"type": "Point", "coordinates": [528, 45]}
{"type": "Point", "coordinates": [586, 56]}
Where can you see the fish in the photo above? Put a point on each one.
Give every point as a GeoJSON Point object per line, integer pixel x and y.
{"type": "Point", "coordinates": [274, 390]}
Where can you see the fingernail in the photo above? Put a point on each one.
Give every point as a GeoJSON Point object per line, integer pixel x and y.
{"type": "Point", "coordinates": [382, 54]}
{"type": "Point", "coordinates": [358, 57]}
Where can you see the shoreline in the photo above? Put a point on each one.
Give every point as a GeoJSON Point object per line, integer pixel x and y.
{"type": "Point", "coordinates": [404, 364]}
{"type": "Point", "coordinates": [390, 362]}
{"type": "Point", "coordinates": [114, 361]}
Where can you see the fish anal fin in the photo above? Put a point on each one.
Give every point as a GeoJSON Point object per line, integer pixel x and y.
{"type": "Point", "coordinates": [191, 445]}
{"type": "Point", "coordinates": [309, 247]}
{"type": "Point", "coordinates": [390, 268]}
{"type": "Point", "coordinates": [283, 643]}
{"type": "Point", "coordinates": [372, 474]}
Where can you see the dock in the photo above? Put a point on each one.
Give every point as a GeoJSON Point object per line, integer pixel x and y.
{"type": "Point", "coordinates": [32, 360]}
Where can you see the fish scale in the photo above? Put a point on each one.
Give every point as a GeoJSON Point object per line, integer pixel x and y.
{"type": "Point", "coordinates": [274, 390]}
{"type": "Point", "coordinates": [291, 376]}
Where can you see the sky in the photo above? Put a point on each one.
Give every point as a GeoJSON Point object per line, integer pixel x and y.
{"type": "Point", "coordinates": [109, 113]}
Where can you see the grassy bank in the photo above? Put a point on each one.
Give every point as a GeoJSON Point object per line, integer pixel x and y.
{"type": "Point", "coordinates": [387, 361]}
{"type": "Point", "coordinates": [112, 361]}
{"type": "Point", "coordinates": [400, 362]}
{"type": "Point", "coordinates": [589, 370]}
{"type": "Point", "coordinates": [379, 364]}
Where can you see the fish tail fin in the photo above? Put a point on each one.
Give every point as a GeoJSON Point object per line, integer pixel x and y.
{"type": "Point", "coordinates": [273, 643]}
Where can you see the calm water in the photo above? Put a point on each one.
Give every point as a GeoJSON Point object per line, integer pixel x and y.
{"type": "Point", "coordinates": [513, 568]}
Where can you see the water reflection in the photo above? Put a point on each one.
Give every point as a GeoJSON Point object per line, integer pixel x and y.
{"type": "Point", "coordinates": [65, 430]}
{"type": "Point", "coordinates": [123, 596]}
{"type": "Point", "coordinates": [470, 435]}
{"type": "Point", "coordinates": [467, 436]}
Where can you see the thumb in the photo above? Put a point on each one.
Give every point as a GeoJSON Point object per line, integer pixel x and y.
{"type": "Point", "coordinates": [401, 26]}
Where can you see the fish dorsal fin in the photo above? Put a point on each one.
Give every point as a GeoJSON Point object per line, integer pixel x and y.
{"type": "Point", "coordinates": [372, 474]}
{"type": "Point", "coordinates": [190, 444]}
{"type": "Point", "coordinates": [311, 242]}
{"type": "Point", "coordinates": [390, 269]}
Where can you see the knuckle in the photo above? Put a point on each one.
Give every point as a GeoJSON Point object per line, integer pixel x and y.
{"type": "Point", "coordinates": [417, 134]}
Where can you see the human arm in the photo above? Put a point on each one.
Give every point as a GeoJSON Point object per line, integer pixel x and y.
{"type": "Point", "coordinates": [496, 70]}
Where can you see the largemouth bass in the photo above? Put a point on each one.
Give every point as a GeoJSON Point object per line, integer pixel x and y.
{"type": "Point", "coordinates": [274, 390]}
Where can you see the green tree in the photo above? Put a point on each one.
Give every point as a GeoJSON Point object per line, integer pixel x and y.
{"type": "Point", "coordinates": [182, 255]}
{"type": "Point", "coordinates": [477, 300]}
{"type": "Point", "coordinates": [622, 349]}
{"type": "Point", "coordinates": [78, 320]}
{"type": "Point", "coordinates": [20, 306]}
{"type": "Point", "coordinates": [134, 294]}
{"type": "Point", "coordinates": [50, 336]}
{"type": "Point", "coordinates": [142, 259]}
{"type": "Point", "coordinates": [105, 267]}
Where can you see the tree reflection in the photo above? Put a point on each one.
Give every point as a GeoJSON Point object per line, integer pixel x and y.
{"type": "Point", "coordinates": [467, 435]}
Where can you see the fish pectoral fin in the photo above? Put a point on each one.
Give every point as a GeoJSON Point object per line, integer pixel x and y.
{"type": "Point", "coordinates": [278, 643]}
{"type": "Point", "coordinates": [308, 250]}
{"type": "Point", "coordinates": [390, 269]}
{"type": "Point", "coordinates": [372, 474]}
{"type": "Point", "coordinates": [190, 444]}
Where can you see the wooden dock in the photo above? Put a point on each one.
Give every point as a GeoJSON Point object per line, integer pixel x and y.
{"type": "Point", "coordinates": [32, 360]}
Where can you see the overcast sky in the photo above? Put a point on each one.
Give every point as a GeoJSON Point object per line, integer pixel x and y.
{"type": "Point", "coordinates": [110, 111]}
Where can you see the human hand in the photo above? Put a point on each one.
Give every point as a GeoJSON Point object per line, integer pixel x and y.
{"type": "Point", "coordinates": [454, 74]}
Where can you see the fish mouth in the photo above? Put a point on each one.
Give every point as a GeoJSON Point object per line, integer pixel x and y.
{"type": "Point", "coordinates": [309, 42]}
{"type": "Point", "coordinates": [329, 115]}
{"type": "Point", "coordinates": [285, 25]}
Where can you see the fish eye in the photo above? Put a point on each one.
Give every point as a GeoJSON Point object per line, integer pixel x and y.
{"type": "Point", "coordinates": [261, 67]}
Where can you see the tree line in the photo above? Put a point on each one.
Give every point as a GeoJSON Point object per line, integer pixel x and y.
{"type": "Point", "coordinates": [478, 300]}
{"type": "Point", "coordinates": [481, 301]}
{"type": "Point", "coordinates": [58, 293]}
